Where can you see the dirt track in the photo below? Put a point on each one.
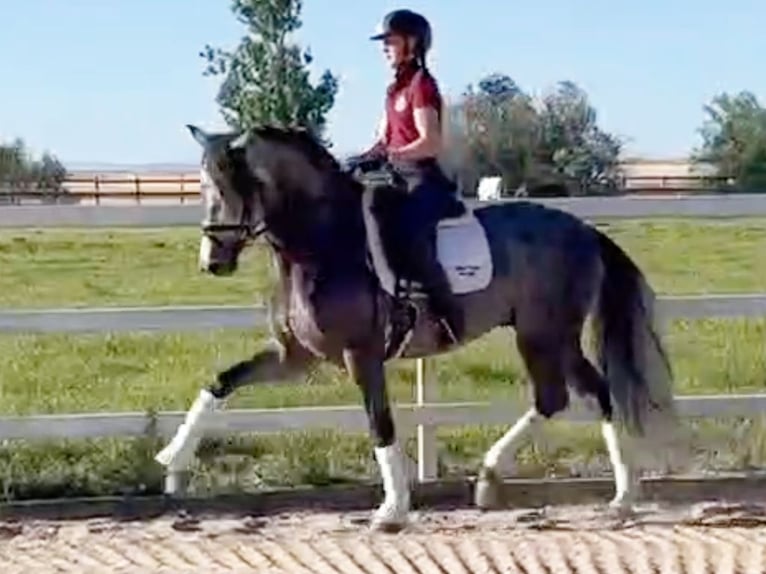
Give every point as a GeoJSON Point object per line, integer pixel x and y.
{"type": "Point", "coordinates": [584, 539]}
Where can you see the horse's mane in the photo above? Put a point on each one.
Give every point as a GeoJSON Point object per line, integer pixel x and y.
{"type": "Point", "coordinates": [341, 188]}
{"type": "Point", "coordinates": [305, 141]}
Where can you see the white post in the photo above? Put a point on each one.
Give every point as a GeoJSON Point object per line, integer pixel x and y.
{"type": "Point", "coordinates": [426, 391]}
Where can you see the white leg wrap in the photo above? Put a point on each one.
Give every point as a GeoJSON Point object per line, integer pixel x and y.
{"type": "Point", "coordinates": [503, 446]}
{"type": "Point", "coordinates": [177, 455]}
{"type": "Point", "coordinates": [622, 479]}
{"type": "Point", "coordinates": [396, 503]}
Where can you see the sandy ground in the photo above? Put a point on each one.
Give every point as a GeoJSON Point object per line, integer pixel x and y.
{"type": "Point", "coordinates": [713, 537]}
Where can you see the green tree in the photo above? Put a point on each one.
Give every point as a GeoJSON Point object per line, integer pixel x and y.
{"type": "Point", "coordinates": [266, 78]}
{"type": "Point", "coordinates": [21, 172]}
{"type": "Point", "coordinates": [501, 130]}
{"type": "Point", "coordinates": [494, 126]}
{"type": "Point", "coordinates": [574, 145]}
{"type": "Point", "coordinates": [734, 140]}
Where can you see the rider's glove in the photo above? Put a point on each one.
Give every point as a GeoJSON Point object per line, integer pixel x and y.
{"type": "Point", "coordinates": [365, 162]}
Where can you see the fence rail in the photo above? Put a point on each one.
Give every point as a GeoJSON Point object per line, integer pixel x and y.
{"type": "Point", "coordinates": [408, 417]}
{"type": "Point", "coordinates": [198, 318]}
{"type": "Point", "coordinates": [184, 188]}
{"type": "Point", "coordinates": [424, 415]}
{"type": "Point", "coordinates": [624, 207]}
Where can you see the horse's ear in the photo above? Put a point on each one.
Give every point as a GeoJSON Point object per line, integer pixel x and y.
{"type": "Point", "coordinates": [239, 140]}
{"type": "Point", "coordinates": [199, 135]}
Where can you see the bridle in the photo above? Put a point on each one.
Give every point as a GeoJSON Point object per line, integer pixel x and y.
{"type": "Point", "coordinates": [247, 232]}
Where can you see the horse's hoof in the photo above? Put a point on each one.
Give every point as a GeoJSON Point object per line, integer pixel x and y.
{"type": "Point", "coordinates": [488, 495]}
{"type": "Point", "coordinates": [389, 519]}
{"type": "Point", "coordinates": [387, 527]}
{"type": "Point", "coordinates": [388, 524]}
{"type": "Point", "coordinates": [621, 506]}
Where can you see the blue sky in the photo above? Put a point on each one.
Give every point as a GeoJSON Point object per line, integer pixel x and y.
{"type": "Point", "coordinates": [116, 80]}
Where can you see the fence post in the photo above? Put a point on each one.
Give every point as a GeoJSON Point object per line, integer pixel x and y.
{"type": "Point", "coordinates": [97, 189]}
{"type": "Point", "coordinates": [137, 181]}
{"type": "Point", "coordinates": [183, 189]}
{"type": "Point", "coordinates": [426, 390]}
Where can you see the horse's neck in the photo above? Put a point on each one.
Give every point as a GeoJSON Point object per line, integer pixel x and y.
{"type": "Point", "coordinates": [334, 239]}
{"type": "Point", "coordinates": [341, 256]}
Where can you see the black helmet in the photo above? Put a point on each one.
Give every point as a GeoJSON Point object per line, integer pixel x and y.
{"type": "Point", "coordinates": [407, 23]}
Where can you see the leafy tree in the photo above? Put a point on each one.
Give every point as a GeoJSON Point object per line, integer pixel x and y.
{"type": "Point", "coordinates": [19, 171]}
{"type": "Point", "coordinates": [495, 129]}
{"type": "Point", "coordinates": [266, 78]}
{"type": "Point", "coordinates": [734, 139]}
{"type": "Point", "coordinates": [500, 130]}
{"type": "Point", "coordinates": [497, 87]}
{"type": "Point", "coordinates": [573, 143]}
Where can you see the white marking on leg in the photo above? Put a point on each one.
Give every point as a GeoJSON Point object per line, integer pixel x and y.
{"type": "Point", "coordinates": [396, 502]}
{"type": "Point", "coordinates": [502, 447]}
{"type": "Point", "coordinates": [178, 453]}
{"type": "Point", "coordinates": [205, 252]}
{"type": "Point", "coordinates": [622, 479]}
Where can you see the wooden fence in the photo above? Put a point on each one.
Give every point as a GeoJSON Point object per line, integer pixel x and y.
{"type": "Point", "coordinates": [423, 416]}
{"type": "Point", "coordinates": [182, 188]}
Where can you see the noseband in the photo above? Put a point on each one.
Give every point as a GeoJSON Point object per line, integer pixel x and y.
{"type": "Point", "coordinates": [247, 231]}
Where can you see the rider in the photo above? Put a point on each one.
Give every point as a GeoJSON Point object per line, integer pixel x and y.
{"type": "Point", "coordinates": [409, 138]}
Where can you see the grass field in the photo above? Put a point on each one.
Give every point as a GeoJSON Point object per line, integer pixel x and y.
{"type": "Point", "coordinates": [58, 373]}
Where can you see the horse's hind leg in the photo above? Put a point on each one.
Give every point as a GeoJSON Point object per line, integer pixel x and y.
{"type": "Point", "coordinates": [588, 381]}
{"type": "Point", "coordinates": [287, 360]}
{"type": "Point", "coordinates": [544, 361]}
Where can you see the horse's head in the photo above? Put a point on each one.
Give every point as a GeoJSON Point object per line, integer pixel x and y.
{"type": "Point", "coordinates": [282, 182]}
{"type": "Point", "coordinates": [232, 212]}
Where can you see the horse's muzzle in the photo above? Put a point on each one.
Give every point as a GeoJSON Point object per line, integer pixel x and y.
{"type": "Point", "coordinates": [220, 268]}
{"type": "Point", "coordinates": [218, 258]}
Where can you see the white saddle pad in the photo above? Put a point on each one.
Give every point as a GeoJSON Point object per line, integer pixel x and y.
{"type": "Point", "coordinates": [462, 249]}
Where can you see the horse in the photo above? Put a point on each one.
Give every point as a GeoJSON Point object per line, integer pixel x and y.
{"type": "Point", "coordinates": [540, 271]}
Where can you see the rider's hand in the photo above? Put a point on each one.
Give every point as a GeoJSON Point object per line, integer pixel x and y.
{"type": "Point", "coordinates": [363, 163]}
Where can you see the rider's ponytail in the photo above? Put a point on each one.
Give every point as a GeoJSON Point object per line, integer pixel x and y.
{"type": "Point", "coordinates": [420, 57]}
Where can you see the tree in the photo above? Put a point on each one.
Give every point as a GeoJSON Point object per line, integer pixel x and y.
{"type": "Point", "coordinates": [500, 130]}
{"type": "Point", "coordinates": [266, 78]}
{"type": "Point", "coordinates": [573, 143]}
{"type": "Point", "coordinates": [20, 172]}
{"type": "Point", "coordinates": [734, 139]}
{"type": "Point", "coordinates": [495, 130]}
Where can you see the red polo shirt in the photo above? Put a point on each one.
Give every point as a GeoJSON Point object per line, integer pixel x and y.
{"type": "Point", "coordinates": [415, 88]}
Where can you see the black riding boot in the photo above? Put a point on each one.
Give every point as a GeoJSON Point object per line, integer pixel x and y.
{"type": "Point", "coordinates": [442, 301]}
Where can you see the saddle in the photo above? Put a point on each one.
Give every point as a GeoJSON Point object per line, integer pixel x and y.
{"type": "Point", "coordinates": [461, 243]}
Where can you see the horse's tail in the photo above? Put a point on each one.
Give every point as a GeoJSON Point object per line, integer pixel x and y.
{"type": "Point", "coordinates": [629, 350]}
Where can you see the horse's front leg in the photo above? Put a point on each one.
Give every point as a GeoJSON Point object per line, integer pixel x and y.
{"type": "Point", "coordinates": [287, 360]}
{"type": "Point", "coordinates": [367, 370]}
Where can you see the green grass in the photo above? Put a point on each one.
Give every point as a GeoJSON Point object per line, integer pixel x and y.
{"type": "Point", "coordinates": [151, 372]}
{"type": "Point", "coordinates": [52, 268]}
{"type": "Point", "coordinates": [48, 268]}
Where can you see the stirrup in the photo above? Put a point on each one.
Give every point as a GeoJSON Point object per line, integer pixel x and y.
{"type": "Point", "coordinates": [447, 330]}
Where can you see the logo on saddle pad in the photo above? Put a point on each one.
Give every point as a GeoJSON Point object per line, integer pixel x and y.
{"type": "Point", "coordinates": [462, 249]}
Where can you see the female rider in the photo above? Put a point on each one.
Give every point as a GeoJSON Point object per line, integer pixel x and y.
{"type": "Point", "coordinates": [409, 138]}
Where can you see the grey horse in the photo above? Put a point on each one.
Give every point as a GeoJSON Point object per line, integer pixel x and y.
{"type": "Point", "coordinates": [519, 264]}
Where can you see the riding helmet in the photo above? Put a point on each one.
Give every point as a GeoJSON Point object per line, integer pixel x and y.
{"type": "Point", "coordinates": [406, 23]}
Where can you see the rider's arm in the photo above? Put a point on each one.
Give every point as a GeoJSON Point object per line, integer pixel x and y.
{"type": "Point", "coordinates": [379, 147]}
{"type": "Point", "coordinates": [425, 103]}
